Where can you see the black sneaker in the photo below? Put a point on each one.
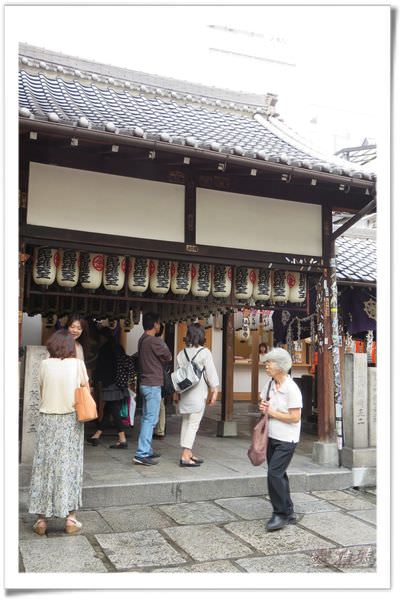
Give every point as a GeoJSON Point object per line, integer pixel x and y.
{"type": "Point", "coordinates": [146, 461]}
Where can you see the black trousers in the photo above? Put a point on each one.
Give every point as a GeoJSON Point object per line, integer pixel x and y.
{"type": "Point", "coordinates": [279, 455]}
{"type": "Point", "coordinates": [112, 408]}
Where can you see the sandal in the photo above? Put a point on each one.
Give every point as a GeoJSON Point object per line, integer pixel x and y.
{"type": "Point", "coordinates": [92, 440]}
{"type": "Point", "coordinates": [120, 445]}
{"type": "Point", "coordinates": [184, 463]}
{"type": "Point", "coordinates": [75, 527]}
{"type": "Point", "coordinates": [198, 461]}
{"type": "Point", "coordinates": [40, 526]}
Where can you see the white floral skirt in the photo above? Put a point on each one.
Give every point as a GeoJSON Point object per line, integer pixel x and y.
{"type": "Point", "coordinates": [57, 470]}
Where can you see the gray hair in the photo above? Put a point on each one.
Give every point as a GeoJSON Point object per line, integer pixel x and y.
{"type": "Point", "coordinates": [281, 357]}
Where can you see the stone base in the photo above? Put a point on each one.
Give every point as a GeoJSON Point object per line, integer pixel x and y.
{"type": "Point", "coordinates": [227, 429]}
{"type": "Point", "coordinates": [363, 476]}
{"type": "Point", "coordinates": [358, 457]}
{"type": "Point", "coordinates": [325, 453]}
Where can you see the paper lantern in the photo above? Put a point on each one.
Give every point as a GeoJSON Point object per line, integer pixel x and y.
{"type": "Point", "coordinates": [138, 274]}
{"type": "Point", "coordinates": [91, 270]}
{"type": "Point", "coordinates": [262, 286]}
{"type": "Point", "coordinates": [244, 280]}
{"type": "Point", "coordinates": [245, 332]}
{"type": "Point", "coordinates": [221, 281]}
{"type": "Point", "coordinates": [297, 286]}
{"type": "Point", "coordinates": [68, 268]}
{"type": "Point", "coordinates": [267, 318]}
{"type": "Point", "coordinates": [181, 277]}
{"type": "Point", "coordinates": [254, 320]}
{"type": "Point", "coordinates": [127, 324]}
{"type": "Point", "coordinates": [209, 322]}
{"type": "Point", "coordinates": [238, 319]}
{"type": "Point", "coordinates": [114, 272]}
{"type": "Point", "coordinates": [201, 280]}
{"type": "Point", "coordinates": [44, 266]}
{"type": "Point", "coordinates": [280, 288]}
{"type": "Point", "coordinates": [160, 276]}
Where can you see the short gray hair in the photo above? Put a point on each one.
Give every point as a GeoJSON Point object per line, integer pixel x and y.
{"type": "Point", "coordinates": [281, 357]}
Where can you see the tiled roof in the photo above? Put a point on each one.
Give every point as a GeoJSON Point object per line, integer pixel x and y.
{"type": "Point", "coordinates": [356, 259]}
{"type": "Point", "coordinates": [60, 94]}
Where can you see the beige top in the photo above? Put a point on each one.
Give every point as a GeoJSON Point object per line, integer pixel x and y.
{"type": "Point", "coordinates": [79, 351]}
{"type": "Point", "coordinates": [58, 379]}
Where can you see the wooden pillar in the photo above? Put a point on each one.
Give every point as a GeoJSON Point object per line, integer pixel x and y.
{"type": "Point", "coordinates": [23, 257]}
{"type": "Point", "coordinates": [255, 366]}
{"type": "Point", "coordinates": [325, 391]}
{"type": "Point", "coordinates": [226, 427]}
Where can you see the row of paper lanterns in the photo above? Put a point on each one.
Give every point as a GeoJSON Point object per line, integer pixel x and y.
{"type": "Point", "coordinates": [91, 270]}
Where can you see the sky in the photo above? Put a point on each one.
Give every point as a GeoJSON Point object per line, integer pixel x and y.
{"type": "Point", "coordinates": [339, 52]}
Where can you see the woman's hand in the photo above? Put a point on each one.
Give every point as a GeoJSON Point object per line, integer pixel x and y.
{"type": "Point", "coordinates": [212, 397]}
{"type": "Point", "coordinates": [264, 407]}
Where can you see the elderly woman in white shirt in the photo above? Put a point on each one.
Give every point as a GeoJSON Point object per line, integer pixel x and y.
{"type": "Point", "coordinates": [57, 470]}
{"type": "Point", "coordinates": [281, 400]}
{"type": "Point", "coordinates": [192, 403]}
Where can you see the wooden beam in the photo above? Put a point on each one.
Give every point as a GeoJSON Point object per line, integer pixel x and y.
{"type": "Point", "coordinates": [190, 209]}
{"type": "Point", "coordinates": [227, 387]}
{"type": "Point", "coordinates": [255, 366]}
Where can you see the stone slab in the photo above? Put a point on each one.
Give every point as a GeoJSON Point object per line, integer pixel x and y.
{"type": "Point", "coordinates": [91, 520]}
{"type": "Point", "coordinates": [324, 453]}
{"type": "Point", "coordinates": [196, 513]}
{"type": "Point", "coordinates": [339, 480]}
{"type": "Point", "coordinates": [358, 457]}
{"type": "Point", "coordinates": [135, 518]}
{"type": "Point", "coordinates": [224, 488]}
{"type": "Point", "coordinates": [138, 549]}
{"type": "Point", "coordinates": [314, 507]}
{"type": "Point", "coordinates": [247, 508]}
{"type": "Point", "coordinates": [33, 358]}
{"type": "Point", "coordinates": [289, 539]}
{"type": "Point", "coordinates": [355, 413]}
{"type": "Point", "coordinates": [363, 476]}
{"type": "Point", "coordinates": [123, 495]}
{"type": "Point", "coordinates": [207, 542]}
{"type": "Point", "coordinates": [286, 563]}
{"type": "Point", "coordinates": [218, 566]}
{"type": "Point", "coordinates": [227, 429]}
{"type": "Point", "coordinates": [340, 528]}
{"type": "Point", "coordinates": [351, 557]}
{"type": "Point", "coordinates": [372, 402]}
{"type": "Point", "coordinates": [345, 500]}
{"type": "Point", "coordinates": [61, 555]}
{"type": "Point", "coordinates": [366, 515]}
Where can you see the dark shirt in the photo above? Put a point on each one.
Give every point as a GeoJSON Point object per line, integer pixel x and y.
{"type": "Point", "coordinates": [153, 353]}
{"type": "Point", "coordinates": [106, 364]}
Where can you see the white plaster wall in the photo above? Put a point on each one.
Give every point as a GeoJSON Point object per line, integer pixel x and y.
{"type": "Point", "coordinates": [133, 337]}
{"type": "Point", "coordinates": [31, 330]}
{"type": "Point", "coordinates": [257, 223]}
{"type": "Point", "coordinates": [104, 203]}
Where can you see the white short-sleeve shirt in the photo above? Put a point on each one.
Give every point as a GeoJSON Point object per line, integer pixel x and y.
{"type": "Point", "coordinates": [58, 381]}
{"type": "Point", "coordinates": [281, 400]}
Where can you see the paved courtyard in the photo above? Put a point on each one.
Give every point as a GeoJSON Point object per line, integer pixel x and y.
{"type": "Point", "coordinates": [336, 532]}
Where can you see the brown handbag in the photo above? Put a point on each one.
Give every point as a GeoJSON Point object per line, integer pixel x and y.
{"type": "Point", "coordinates": [258, 449]}
{"type": "Point", "coordinates": [85, 406]}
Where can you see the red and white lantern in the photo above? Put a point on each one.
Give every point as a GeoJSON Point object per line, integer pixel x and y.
{"type": "Point", "coordinates": [114, 272]}
{"type": "Point", "coordinates": [297, 284]}
{"type": "Point", "coordinates": [160, 276]}
{"type": "Point", "coordinates": [254, 320]}
{"type": "Point", "coordinates": [221, 281]}
{"type": "Point", "coordinates": [91, 270]}
{"type": "Point", "coordinates": [138, 274]}
{"type": "Point", "coordinates": [67, 268]}
{"type": "Point", "coordinates": [44, 266]}
{"type": "Point", "coordinates": [280, 287]}
{"type": "Point", "coordinates": [201, 280]}
{"type": "Point", "coordinates": [244, 280]}
{"type": "Point", "coordinates": [181, 278]}
{"type": "Point", "coordinates": [262, 285]}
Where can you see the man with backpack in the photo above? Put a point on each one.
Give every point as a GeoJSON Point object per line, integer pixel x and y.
{"type": "Point", "coordinates": [153, 353]}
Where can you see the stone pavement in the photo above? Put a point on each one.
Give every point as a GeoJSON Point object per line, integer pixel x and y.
{"type": "Point", "coordinates": [110, 478]}
{"type": "Point", "coordinates": [335, 532]}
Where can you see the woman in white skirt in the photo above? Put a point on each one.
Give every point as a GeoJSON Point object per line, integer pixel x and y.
{"type": "Point", "coordinates": [192, 403]}
{"type": "Point", "coordinates": [57, 471]}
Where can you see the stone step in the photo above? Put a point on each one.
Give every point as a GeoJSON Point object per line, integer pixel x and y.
{"type": "Point", "coordinates": [172, 491]}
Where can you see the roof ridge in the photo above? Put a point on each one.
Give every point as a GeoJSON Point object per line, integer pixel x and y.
{"type": "Point", "coordinates": [48, 60]}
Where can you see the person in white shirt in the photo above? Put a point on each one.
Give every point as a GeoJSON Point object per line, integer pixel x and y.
{"type": "Point", "coordinates": [192, 403]}
{"type": "Point", "coordinates": [281, 400]}
{"type": "Point", "coordinates": [57, 470]}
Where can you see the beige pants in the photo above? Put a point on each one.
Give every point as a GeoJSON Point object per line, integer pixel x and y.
{"type": "Point", "coordinates": [160, 428]}
{"type": "Point", "coordinates": [189, 427]}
